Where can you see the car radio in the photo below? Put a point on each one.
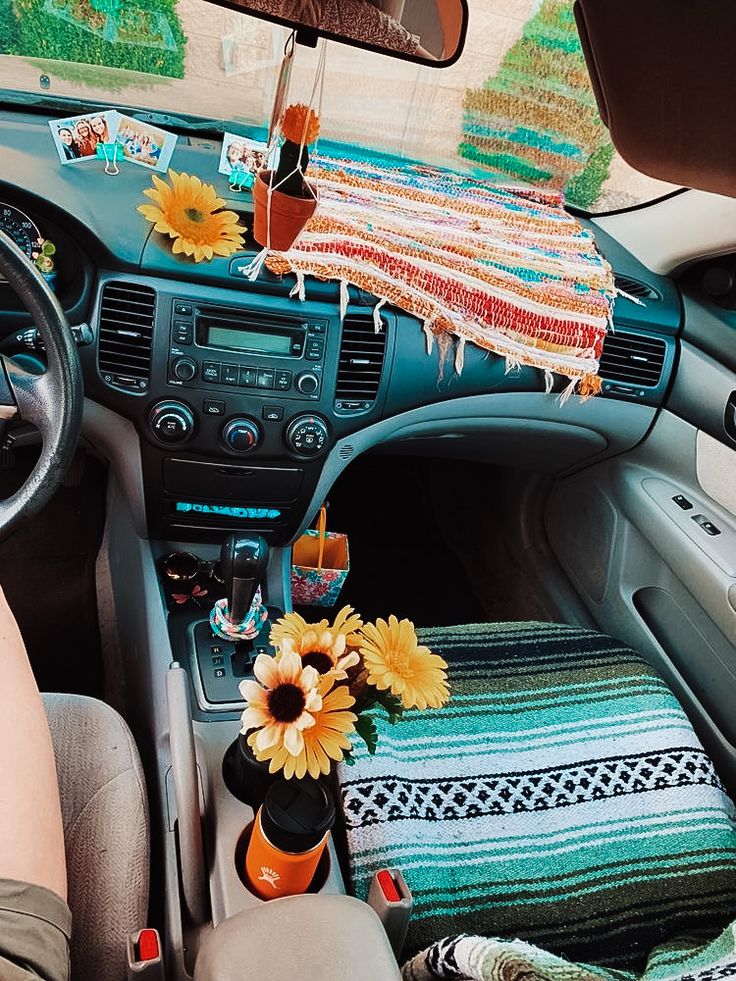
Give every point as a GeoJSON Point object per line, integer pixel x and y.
{"type": "Point", "coordinates": [215, 346]}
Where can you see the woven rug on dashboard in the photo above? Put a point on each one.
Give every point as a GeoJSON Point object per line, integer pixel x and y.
{"type": "Point", "coordinates": [561, 798]}
{"type": "Point", "coordinates": [509, 270]}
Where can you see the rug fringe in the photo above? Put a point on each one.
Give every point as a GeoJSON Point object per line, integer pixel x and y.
{"type": "Point", "coordinates": [299, 288]}
{"type": "Point", "coordinates": [377, 319]}
{"type": "Point", "coordinates": [253, 270]}
{"type": "Point", "coordinates": [344, 298]}
{"type": "Point", "coordinates": [459, 355]}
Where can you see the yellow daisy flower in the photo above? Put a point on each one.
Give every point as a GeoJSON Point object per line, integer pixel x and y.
{"type": "Point", "coordinates": [320, 645]}
{"type": "Point", "coordinates": [324, 742]}
{"type": "Point", "coordinates": [394, 659]}
{"type": "Point", "coordinates": [188, 211]}
{"type": "Point", "coordinates": [282, 707]}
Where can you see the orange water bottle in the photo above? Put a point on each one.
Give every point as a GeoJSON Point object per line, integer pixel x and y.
{"type": "Point", "coordinates": [290, 833]}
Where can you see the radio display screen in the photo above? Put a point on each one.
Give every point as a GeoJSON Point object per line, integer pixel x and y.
{"type": "Point", "coordinates": [238, 339]}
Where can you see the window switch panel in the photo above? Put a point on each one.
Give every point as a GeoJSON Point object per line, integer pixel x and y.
{"type": "Point", "coordinates": [706, 524]}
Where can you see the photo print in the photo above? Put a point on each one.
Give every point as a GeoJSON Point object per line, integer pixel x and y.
{"type": "Point", "coordinates": [242, 156]}
{"type": "Point", "coordinates": [76, 137]}
{"type": "Point", "coordinates": [145, 145]}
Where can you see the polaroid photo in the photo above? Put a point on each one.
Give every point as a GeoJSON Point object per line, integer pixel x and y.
{"type": "Point", "coordinates": [241, 155]}
{"type": "Point", "coordinates": [76, 138]}
{"type": "Point", "coordinates": [145, 145]}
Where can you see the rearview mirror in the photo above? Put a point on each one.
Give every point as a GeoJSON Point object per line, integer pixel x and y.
{"type": "Point", "coordinates": [431, 32]}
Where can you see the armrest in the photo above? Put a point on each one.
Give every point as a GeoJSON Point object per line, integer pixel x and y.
{"type": "Point", "coordinates": [309, 938]}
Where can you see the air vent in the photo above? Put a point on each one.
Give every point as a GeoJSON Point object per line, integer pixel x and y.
{"type": "Point", "coordinates": [634, 287]}
{"type": "Point", "coordinates": [127, 313]}
{"type": "Point", "coordinates": [362, 352]}
{"type": "Point", "coordinates": [633, 359]}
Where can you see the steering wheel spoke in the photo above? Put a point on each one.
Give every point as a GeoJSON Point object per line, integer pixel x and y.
{"type": "Point", "coordinates": [27, 396]}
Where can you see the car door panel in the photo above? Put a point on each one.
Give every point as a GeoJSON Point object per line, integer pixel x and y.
{"type": "Point", "coordinates": [649, 573]}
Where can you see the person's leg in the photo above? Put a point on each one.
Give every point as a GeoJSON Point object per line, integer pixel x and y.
{"type": "Point", "coordinates": [31, 835]}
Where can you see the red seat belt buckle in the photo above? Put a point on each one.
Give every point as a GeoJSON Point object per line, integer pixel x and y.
{"type": "Point", "coordinates": [148, 945]}
{"type": "Point", "coordinates": [145, 956]}
{"type": "Point", "coordinates": [388, 886]}
{"type": "Point", "coordinates": [392, 901]}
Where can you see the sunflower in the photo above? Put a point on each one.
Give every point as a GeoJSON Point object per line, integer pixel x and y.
{"type": "Point", "coordinates": [394, 659]}
{"type": "Point", "coordinates": [284, 707]}
{"type": "Point", "coordinates": [320, 645]}
{"type": "Point", "coordinates": [189, 212]}
{"type": "Point", "coordinates": [300, 124]}
{"type": "Point", "coordinates": [325, 741]}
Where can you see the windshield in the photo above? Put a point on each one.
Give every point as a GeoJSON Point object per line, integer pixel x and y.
{"type": "Point", "coordinates": [517, 106]}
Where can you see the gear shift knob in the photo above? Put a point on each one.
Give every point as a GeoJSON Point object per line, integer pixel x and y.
{"type": "Point", "coordinates": [244, 560]}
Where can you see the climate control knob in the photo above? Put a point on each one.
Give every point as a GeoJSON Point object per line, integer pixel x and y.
{"type": "Point", "coordinates": [241, 435]}
{"type": "Point", "coordinates": [171, 422]}
{"type": "Point", "coordinates": [307, 383]}
{"type": "Point", "coordinates": [307, 435]}
{"type": "Point", "coordinates": [184, 369]}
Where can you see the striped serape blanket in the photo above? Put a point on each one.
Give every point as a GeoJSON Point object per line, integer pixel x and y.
{"type": "Point", "coordinates": [484, 959]}
{"type": "Point", "coordinates": [561, 797]}
{"type": "Point", "coordinates": [509, 270]}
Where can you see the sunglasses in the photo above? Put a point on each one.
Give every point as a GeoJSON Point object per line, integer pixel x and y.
{"type": "Point", "coordinates": [187, 577]}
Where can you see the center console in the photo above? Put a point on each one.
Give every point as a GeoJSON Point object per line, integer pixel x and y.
{"type": "Point", "coordinates": [238, 396]}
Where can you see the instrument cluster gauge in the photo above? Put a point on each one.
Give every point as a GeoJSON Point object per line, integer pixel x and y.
{"type": "Point", "coordinates": [23, 231]}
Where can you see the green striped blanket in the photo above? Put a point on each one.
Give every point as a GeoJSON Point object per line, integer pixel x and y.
{"type": "Point", "coordinates": [561, 797]}
{"type": "Point", "coordinates": [484, 959]}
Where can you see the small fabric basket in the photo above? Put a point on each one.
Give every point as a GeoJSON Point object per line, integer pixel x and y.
{"type": "Point", "coordinates": [320, 565]}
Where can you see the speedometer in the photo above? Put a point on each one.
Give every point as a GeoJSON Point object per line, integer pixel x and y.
{"type": "Point", "coordinates": [20, 228]}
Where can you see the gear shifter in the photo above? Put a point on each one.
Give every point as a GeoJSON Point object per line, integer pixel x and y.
{"type": "Point", "coordinates": [244, 561]}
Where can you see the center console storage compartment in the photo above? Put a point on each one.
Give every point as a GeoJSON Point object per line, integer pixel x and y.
{"type": "Point", "coordinates": [313, 938]}
{"type": "Point", "coordinates": [228, 482]}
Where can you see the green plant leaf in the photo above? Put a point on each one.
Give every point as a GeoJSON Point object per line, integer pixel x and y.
{"type": "Point", "coordinates": [366, 729]}
{"type": "Point", "coordinates": [392, 706]}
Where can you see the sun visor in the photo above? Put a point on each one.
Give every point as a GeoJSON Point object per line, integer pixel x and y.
{"type": "Point", "coordinates": [664, 75]}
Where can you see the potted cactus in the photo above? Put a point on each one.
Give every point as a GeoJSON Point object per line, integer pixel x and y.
{"type": "Point", "coordinates": [284, 200]}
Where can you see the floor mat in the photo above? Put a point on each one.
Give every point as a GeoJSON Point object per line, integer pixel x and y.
{"type": "Point", "coordinates": [47, 570]}
{"type": "Point", "coordinates": [399, 560]}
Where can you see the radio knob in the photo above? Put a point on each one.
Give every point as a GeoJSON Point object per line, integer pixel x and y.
{"type": "Point", "coordinates": [184, 369]}
{"type": "Point", "coordinates": [241, 435]}
{"type": "Point", "coordinates": [307, 435]}
{"type": "Point", "coordinates": [307, 383]}
{"type": "Point", "coordinates": [171, 422]}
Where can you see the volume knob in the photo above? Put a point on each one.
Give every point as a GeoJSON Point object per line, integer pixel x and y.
{"type": "Point", "coordinates": [184, 369]}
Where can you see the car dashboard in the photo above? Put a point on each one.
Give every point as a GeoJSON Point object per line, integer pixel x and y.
{"type": "Point", "coordinates": [247, 400]}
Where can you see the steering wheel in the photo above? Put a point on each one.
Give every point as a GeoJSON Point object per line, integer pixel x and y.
{"type": "Point", "coordinates": [52, 402]}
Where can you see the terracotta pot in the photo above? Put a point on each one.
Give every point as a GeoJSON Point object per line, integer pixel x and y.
{"type": "Point", "coordinates": [288, 216]}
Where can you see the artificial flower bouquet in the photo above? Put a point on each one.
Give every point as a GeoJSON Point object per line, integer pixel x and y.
{"type": "Point", "coordinates": [325, 684]}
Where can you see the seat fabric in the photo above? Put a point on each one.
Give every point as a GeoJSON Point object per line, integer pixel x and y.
{"type": "Point", "coordinates": [561, 797]}
{"type": "Point", "coordinates": [106, 832]}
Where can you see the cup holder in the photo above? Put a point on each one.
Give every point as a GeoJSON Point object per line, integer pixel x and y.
{"type": "Point", "coordinates": [316, 885]}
